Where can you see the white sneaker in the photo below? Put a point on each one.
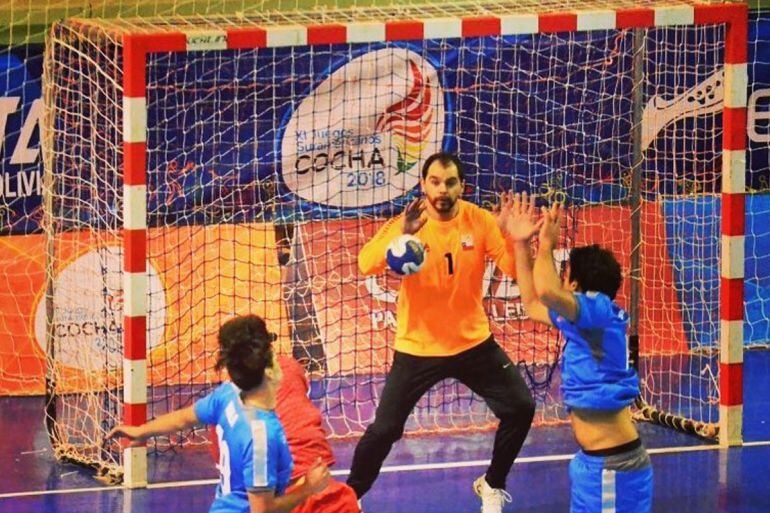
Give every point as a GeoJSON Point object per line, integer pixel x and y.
{"type": "Point", "coordinates": [492, 499]}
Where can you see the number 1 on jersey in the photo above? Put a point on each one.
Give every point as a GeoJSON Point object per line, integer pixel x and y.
{"type": "Point", "coordinates": [449, 264]}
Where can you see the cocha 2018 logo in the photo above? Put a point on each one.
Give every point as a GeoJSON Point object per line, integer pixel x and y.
{"type": "Point", "coordinates": [357, 138]}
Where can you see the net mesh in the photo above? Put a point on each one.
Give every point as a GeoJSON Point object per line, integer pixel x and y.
{"type": "Point", "coordinates": [268, 169]}
{"type": "Point", "coordinates": [757, 289]}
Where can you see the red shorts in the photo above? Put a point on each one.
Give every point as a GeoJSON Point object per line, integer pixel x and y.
{"type": "Point", "coordinates": [336, 498]}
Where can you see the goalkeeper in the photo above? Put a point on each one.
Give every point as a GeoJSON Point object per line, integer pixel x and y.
{"type": "Point", "coordinates": [443, 331]}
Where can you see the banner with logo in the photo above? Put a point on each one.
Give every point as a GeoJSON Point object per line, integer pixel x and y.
{"type": "Point", "coordinates": [337, 131]}
{"type": "Point", "coordinates": [341, 132]}
{"type": "Point", "coordinates": [21, 69]}
{"type": "Point", "coordinates": [329, 139]}
{"type": "Point", "coordinates": [356, 314]}
{"type": "Point", "coordinates": [213, 274]}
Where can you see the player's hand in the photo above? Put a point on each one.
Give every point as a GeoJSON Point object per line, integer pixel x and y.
{"type": "Point", "coordinates": [522, 222]}
{"type": "Point", "coordinates": [551, 227]}
{"type": "Point", "coordinates": [134, 433]}
{"type": "Point", "coordinates": [414, 216]}
{"type": "Point", "coordinates": [317, 478]}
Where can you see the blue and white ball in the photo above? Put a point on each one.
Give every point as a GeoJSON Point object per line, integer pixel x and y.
{"type": "Point", "coordinates": [406, 254]}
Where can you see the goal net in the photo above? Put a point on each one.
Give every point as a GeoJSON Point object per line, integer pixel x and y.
{"type": "Point", "coordinates": [197, 169]}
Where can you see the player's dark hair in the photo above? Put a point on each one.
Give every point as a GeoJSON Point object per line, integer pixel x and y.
{"type": "Point", "coordinates": [595, 268]}
{"type": "Point", "coordinates": [445, 159]}
{"type": "Point", "coordinates": [245, 350]}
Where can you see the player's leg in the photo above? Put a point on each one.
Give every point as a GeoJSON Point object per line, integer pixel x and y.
{"type": "Point", "coordinates": [621, 483]}
{"type": "Point", "coordinates": [585, 475]}
{"type": "Point", "coordinates": [633, 481]}
{"type": "Point", "coordinates": [409, 378]}
{"type": "Point", "coordinates": [488, 371]}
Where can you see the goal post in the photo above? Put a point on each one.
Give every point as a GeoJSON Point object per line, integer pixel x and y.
{"type": "Point", "coordinates": [201, 168]}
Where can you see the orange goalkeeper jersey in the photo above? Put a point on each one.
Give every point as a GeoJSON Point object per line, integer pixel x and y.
{"type": "Point", "coordinates": [440, 309]}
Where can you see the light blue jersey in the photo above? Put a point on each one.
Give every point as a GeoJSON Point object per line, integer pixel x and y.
{"type": "Point", "coordinates": [253, 452]}
{"type": "Point", "coordinates": [595, 371]}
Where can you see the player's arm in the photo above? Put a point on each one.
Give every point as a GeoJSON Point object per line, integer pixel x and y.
{"type": "Point", "coordinates": [547, 284]}
{"type": "Point", "coordinates": [371, 258]}
{"type": "Point", "coordinates": [316, 479]}
{"type": "Point", "coordinates": [164, 425]}
{"type": "Point", "coordinates": [521, 226]}
{"type": "Point", "coordinates": [267, 502]}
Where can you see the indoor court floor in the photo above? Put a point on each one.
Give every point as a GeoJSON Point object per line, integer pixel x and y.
{"type": "Point", "coordinates": [428, 474]}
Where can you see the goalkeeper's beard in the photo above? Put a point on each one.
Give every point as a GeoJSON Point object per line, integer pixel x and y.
{"type": "Point", "coordinates": [442, 205]}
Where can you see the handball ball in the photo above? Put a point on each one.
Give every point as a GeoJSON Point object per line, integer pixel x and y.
{"type": "Point", "coordinates": [406, 254]}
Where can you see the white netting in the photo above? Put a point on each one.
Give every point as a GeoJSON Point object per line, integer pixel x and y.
{"type": "Point", "coordinates": [757, 290]}
{"type": "Point", "coordinates": [269, 168]}
{"type": "Point", "coordinates": [23, 26]}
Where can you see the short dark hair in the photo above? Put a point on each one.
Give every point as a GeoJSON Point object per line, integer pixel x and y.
{"type": "Point", "coordinates": [595, 268]}
{"type": "Point", "coordinates": [245, 350]}
{"type": "Point", "coordinates": [445, 159]}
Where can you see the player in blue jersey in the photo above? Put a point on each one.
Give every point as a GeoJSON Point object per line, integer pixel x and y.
{"type": "Point", "coordinates": [612, 471]}
{"type": "Point", "coordinates": [254, 458]}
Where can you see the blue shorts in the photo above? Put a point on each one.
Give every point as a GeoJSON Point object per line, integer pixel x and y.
{"type": "Point", "coordinates": [620, 483]}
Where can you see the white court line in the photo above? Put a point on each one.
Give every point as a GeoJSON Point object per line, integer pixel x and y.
{"type": "Point", "coordinates": [179, 484]}
{"type": "Point", "coordinates": [394, 468]}
{"type": "Point", "coordinates": [60, 492]}
{"type": "Point", "coordinates": [756, 444]}
{"type": "Point", "coordinates": [538, 459]}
